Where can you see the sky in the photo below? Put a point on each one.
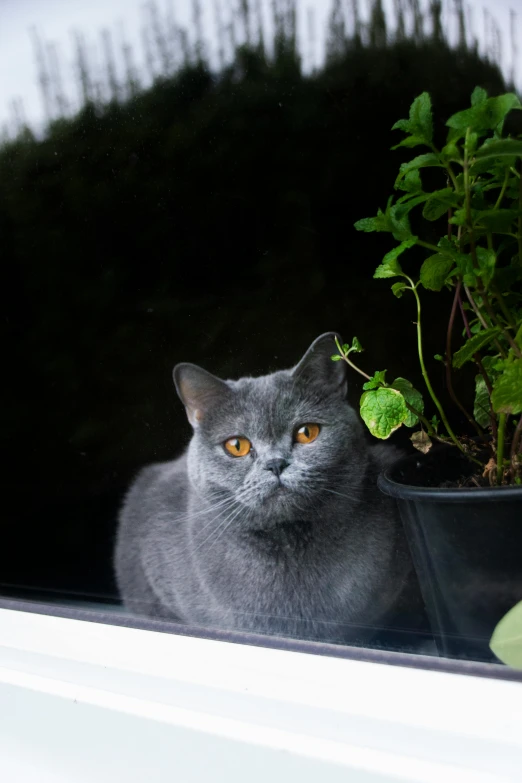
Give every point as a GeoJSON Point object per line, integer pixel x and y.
{"type": "Point", "coordinates": [56, 20]}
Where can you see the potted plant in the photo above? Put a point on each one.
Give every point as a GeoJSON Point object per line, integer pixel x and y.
{"type": "Point", "coordinates": [461, 498]}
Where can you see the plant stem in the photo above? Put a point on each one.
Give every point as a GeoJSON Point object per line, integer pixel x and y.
{"type": "Point", "coordinates": [467, 197]}
{"type": "Point", "coordinates": [425, 372]}
{"type": "Point", "coordinates": [448, 168]}
{"type": "Point", "coordinates": [500, 299]}
{"type": "Point", "coordinates": [478, 361]}
{"type": "Point", "coordinates": [476, 309]}
{"type": "Point", "coordinates": [421, 417]}
{"type": "Point", "coordinates": [428, 245]}
{"type": "Point", "coordinates": [516, 444]}
{"type": "Point", "coordinates": [504, 186]}
{"type": "Point", "coordinates": [494, 320]}
{"type": "Point", "coordinates": [452, 177]}
{"type": "Point", "coordinates": [520, 221]}
{"type": "Point", "coordinates": [449, 380]}
{"type": "Point", "coordinates": [500, 447]}
{"type": "Point", "coordinates": [483, 320]}
{"type": "Point", "coordinates": [348, 361]}
{"type": "Point", "coordinates": [354, 367]}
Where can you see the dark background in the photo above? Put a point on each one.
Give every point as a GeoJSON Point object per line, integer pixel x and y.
{"type": "Point", "coordinates": [208, 218]}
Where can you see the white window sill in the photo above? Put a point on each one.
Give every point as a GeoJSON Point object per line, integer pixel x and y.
{"type": "Point", "coordinates": [84, 701]}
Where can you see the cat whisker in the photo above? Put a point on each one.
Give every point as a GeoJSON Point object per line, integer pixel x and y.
{"type": "Point", "coordinates": [207, 510]}
{"type": "Point", "coordinates": [223, 530]}
{"type": "Point", "coordinates": [215, 517]}
{"type": "Point", "coordinates": [224, 523]}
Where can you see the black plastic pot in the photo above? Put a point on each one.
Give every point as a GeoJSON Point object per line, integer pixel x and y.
{"type": "Point", "coordinates": [466, 546]}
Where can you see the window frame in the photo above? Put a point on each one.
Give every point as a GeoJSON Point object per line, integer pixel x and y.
{"type": "Point", "coordinates": [69, 678]}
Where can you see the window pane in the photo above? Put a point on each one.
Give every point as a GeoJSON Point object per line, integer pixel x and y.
{"type": "Point", "coordinates": [178, 189]}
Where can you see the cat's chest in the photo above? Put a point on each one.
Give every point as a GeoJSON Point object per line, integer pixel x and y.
{"type": "Point", "coordinates": [266, 571]}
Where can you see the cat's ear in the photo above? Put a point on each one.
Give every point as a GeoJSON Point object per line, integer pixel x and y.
{"type": "Point", "coordinates": [317, 365]}
{"type": "Point", "coordinates": [199, 390]}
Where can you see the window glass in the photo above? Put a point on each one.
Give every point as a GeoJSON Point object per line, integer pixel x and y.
{"type": "Point", "coordinates": [216, 187]}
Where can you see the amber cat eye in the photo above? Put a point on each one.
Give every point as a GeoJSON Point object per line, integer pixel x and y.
{"type": "Point", "coordinates": [307, 433]}
{"type": "Point", "coordinates": [238, 447]}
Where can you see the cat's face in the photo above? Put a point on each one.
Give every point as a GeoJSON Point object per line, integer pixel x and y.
{"type": "Point", "coordinates": [278, 444]}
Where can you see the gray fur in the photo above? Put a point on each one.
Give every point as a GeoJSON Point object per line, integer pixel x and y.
{"type": "Point", "coordinates": [215, 540]}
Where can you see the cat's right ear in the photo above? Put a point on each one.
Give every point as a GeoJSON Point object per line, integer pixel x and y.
{"type": "Point", "coordinates": [198, 390]}
{"type": "Point", "coordinates": [317, 365]}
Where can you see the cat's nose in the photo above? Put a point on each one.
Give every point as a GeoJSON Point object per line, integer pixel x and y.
{"type": "Point", "coordinates": [277, 465]}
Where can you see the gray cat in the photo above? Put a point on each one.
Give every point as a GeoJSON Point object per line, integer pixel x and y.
{"type": "Point", "coordinates": [271, 521]}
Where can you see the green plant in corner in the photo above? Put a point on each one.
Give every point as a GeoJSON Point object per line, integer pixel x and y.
{"type": "Point", "coordinates": [506, 641]}
{"type": "Point", "coordinates": [479, 258]}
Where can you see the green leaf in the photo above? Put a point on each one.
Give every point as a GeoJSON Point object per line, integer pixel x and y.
{"type": "Point", "coordinates": [412, 397]}
{"type": "Point", "coordinates": [421, 161]}
{"type": "Point", "coordinates": [390, 266]}
{"type": "Point", "coordinates": [501, 106]}
{"type": "Point", "coordinates": [506, 641]}
{"type": "Point", "coordinates": [403, 125]}
{"type": "Point", "coordinates": [391, 269]}
{"type": "Point", "coordinates": [396, 251]}
{"type": "Point", "coordinates": [434, 209]}
{"type": "Point", "coordinates": [356, 345]}
{"type": "Point", "coordinates": [474, 344]}
{"type": "Point", "coordinates": [450, 152]}
{"type": "Point", "coordinates": [381, 222]}
{"type": "Point", "coordinates": [411, 182]}
{"type": "Point", "coordinates": [485, 115]}
{"type": "Point", "coordinates": [464, 261]}
{"type": "Point", "coordinates": [398, 288]}
{"type": "Point", "coordinates": [467, 118]}
{"type": "Point", "coordinates": [455, 135]}
{"type": "Point", "coordinates": [481, 405]}
{"type": "Point", "coordinates": [336, 358]}
{"type": "Point", "coordinates": [410, 141]}
{"type": "Point", "coordinates": [421, 120]}
{"type": "Point", "coordinates": [486, 261]}
{"type": "Point", "coordinates": [369, 224]}
{"type": "Point", "coordinates": [377, 380]}
{"type": "Point", "coordinates": [479, 95]}
{"type": "Point", "coordinates": [439, 202]}
{"type": "Point", "coordinates": [470, 143]}
{"type": "Point", "coordinates": [459, 218]}
{"type": "Point", "coordinates": [435, 270]}
{"type": "Point", "coordinates": [404, 207]}
{"type": "Point", "coordinates": [386, 221]}
{"type": "Point", "coordinates": [400, 224]}
{"type": "Point", "coordinates": [500, 148]}
{"type": "Point", "coordinates": [493, 365]}
{"type": "Point", "coordinates": [498, 220]}
{"type": "Point", "coordinates": [383, 411]}
{"type": "Point", "coordinates": [507, 391]}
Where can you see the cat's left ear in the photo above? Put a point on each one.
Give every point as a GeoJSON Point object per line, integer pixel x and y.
{"type": "Point", "coordinates": [198, 390]}
{"type": "Point", "coordinates": [317, 365]}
